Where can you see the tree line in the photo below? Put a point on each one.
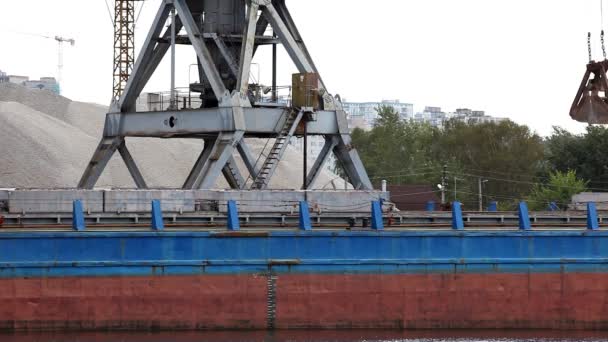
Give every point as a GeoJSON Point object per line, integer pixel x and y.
{"type": "Point", "coordinates": [512, 162]}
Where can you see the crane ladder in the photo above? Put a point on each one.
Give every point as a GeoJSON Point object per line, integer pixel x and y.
{"type": "Point", "coordinates": [278, 150]}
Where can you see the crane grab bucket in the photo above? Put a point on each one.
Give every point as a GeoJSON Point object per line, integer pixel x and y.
{"type": "Point", "coordinates": [591, 102]}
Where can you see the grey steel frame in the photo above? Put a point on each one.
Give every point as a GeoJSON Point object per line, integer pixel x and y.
{"type": "Point", "coordinates": [225, 127]}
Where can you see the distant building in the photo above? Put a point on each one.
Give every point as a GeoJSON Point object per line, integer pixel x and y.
{"type": "Point", "coordinates": [358, 122]}
{"type": "Point", "coordinates": [363, 114]}
{"type": "Point", "coordinates": [436, 117]}
{"type": "Point", "coordinates": [469, 112]}
{"type": "Point", "coordinates": [431, 115]}
{"type": "Point", "coordinates": [16, 79]}
{"type": "Point", "coordinates": [3, 77]}
{"type": "Point", "coordinates": [315, 145]}
{"type": "Point", "coordinates": [413, 197]}
{"type": "Point", "coordinates": [44, 83]}
{"type": "Point", "coordinates": [151, 102]}
{"type": "Point", "coordinates": [474, 116]}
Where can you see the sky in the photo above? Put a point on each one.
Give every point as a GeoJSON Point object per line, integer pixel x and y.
{"type": "Point", "coordinates": [519, 59]}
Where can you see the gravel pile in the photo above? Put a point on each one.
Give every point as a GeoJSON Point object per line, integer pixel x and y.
{"type": "Point", "coordinates": [46, 141]}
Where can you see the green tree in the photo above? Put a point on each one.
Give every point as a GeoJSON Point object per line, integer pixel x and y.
{"type": "Point", "coordinates": [584, 153]}
{"type": "Point", "coordinates": [505, 154]}
{"type": "Point", "coordinates": [396, 150]}
{"type": "Point", "coordinates": [388, 118]}
{"type": "Point", "coordinates": [559, 189]}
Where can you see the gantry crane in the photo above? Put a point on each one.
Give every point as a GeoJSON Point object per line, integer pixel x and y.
{"type": "Point", "coordinates": [225, 36]}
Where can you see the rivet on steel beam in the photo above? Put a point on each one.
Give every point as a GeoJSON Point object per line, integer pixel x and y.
{"type": "Point", "coordinates": [78, 216]}
{"type": "Point", "coordinates": [377, 220]}
{"type": "Point", "coordinates": [304, 216]}
{"type": "Point", "coordinates": [157, 216]}
{"type": "Point", "coordinates": [233, 216]}
{"type": "Point", "coordinates": [457, 221]}
{"type": "Point", "coordinates": [592, 218]}
{"type": "Point", "coordinates": [524, 217]}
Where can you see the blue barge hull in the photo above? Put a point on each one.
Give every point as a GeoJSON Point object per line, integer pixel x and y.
{"type": "Point", "coordinates": [57, 254]}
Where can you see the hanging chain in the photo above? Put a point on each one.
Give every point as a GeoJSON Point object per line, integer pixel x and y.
{"type": "Point", "coordinates": [603, 46]}
{"type": "Point", "coordinates": [602, 28]}
{"type": "Point", "coordinates": [589, 46]}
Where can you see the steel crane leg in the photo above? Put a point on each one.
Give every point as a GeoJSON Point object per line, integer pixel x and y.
{"type": "Point", "coordinates": [212, 161]}
{"type": "Point", "coordinates": [315, 171]}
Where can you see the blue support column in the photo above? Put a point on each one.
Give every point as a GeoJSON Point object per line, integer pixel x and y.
{"type": "Point", "coordinates": [493, 207]}
{"type": "Point", "coordinates": [524, 217]}
{"type": "Point", "coordinates": [377, 219]}
{"type": "Point", "coordinates": [305, 223]}
{"type": "Point", "coordinates": [233, 216]}
{"type": "Point", "coordinates": [430, 206]}
{"type": "Point", "coordinates": [457, 221]}
{"type": "Point", "coordinates": [593, 222]}
{"type": "Point", "coordinates": [78, 216]}
{"type": "Point", "coordinates": [157, 216]}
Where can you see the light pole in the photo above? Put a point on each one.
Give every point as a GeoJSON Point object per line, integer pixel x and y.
{"type": "Point", "coordinates": [480, 182]}
{"type": "Point", "coordinates": [443, 184]}
{"type": "Point", "coordinates": [455, 190]}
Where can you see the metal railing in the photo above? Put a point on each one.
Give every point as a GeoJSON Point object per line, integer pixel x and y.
{"type": "Point", "coordinates": [186, 99]}
{"type": "Point", "coordinates": [287, 217]}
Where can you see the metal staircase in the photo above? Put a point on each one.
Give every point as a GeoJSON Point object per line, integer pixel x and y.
{"type": "Point", "coordinates": [278, 149]}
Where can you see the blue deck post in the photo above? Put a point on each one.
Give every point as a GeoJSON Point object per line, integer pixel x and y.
{"type": "Point", "coordinates": [377, 219]}
{"type": "Point", "coordinates": [78, 216]}
{"type": "Point", "coordinates": [593, 222]}
{"type": "Point", "coordinates": [430, 206]}
{"type": "Point", "coordinates": [457, 221]}
{"type": "Point", "coordinates": [553, 206]}
{"type": "Point", "coordinates": [233, 216]}
{"type": "Point", "coordinates": [305, 223]}
{"type": "Point", "coordinates": [157, 216]}
{"type": "Point", "coordinates": [493, 207]}
{"type": "Point", "coordinates": [524, 217]}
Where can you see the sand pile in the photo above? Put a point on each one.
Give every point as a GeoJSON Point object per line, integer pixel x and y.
{"type": "Point", "coordinates": [47, 140]}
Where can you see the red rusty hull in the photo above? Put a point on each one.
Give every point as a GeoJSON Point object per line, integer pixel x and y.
{"type": "Point", "coordinates": [412, 301]}
{"type": "Point", "coordinates": [134, 303]}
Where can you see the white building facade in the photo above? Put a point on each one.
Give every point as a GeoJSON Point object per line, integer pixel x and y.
{"type": "Point", "coordinates": [44, 83]}
{"type": "Point", "coordinates": [363, 114]}
{"type": "Point", "coordinates": [431, 115]}
{"type": "Point", "coordinates": [474, 116]}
